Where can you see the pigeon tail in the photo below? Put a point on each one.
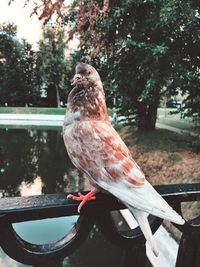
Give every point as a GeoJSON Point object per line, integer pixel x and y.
{"type": "Point", "coordinates": [142, 220]}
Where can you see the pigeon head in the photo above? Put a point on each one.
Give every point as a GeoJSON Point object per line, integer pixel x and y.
{"type": "Point", "coordinates": [85, 72]}
{"type": "Point", "coordinates": [87, 96]}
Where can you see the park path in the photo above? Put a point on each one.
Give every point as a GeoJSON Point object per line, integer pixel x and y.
{"type": "Point", "coordinates": [176, 130]}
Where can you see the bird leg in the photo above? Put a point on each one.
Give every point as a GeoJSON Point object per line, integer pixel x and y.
{"type": "Point", "coordinates": [83, 198]}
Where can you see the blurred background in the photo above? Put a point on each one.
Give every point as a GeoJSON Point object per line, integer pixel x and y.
{"type": "Point", "coordinates": [147, 54]}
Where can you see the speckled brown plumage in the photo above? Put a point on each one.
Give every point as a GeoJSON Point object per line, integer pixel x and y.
{"type": "Point", "coordinates": [96, 149]}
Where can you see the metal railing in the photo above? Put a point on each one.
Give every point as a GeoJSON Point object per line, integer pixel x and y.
{"type": "Point", "coordinates": [20, 209]}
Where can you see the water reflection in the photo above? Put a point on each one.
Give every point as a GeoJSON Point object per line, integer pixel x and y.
{"type": "Point", "coordinates": [36, 162]}
{"type": "Point", "coordinates": [43, 228]}
{"type": "Point", "coordinates": [35, 188]}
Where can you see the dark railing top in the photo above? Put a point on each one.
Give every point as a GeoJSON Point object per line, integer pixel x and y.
{"type": "Point", "coordinates": [19, 209]}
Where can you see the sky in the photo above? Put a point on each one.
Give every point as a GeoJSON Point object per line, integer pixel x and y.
{"type": "Point", "coordinates": [28, 27]}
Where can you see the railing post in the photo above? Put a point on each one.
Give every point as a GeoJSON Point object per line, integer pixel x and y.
{"type": "Point", "coordinates": [189, 250]}
{"type": "Point", "coordinates": [134, 257]}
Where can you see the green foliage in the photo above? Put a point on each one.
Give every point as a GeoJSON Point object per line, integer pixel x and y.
{"type": "Point", "coordinates": [184, 18]}
{"type": "Point", "coordinates": [24, 72]}
{"type": "Point", "coordinates": [53, 66]}
{"type": "Point", "coordinates": [17, 69]}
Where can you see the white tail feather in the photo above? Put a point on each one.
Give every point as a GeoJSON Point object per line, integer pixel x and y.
{"type": "Point", "coordinates": [142, 201]}
{"type": "Point", "coordinates": [141, 218]}
{"type": "Point", "coordinates": [144, 198]}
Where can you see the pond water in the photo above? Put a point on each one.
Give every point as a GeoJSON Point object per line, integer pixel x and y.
{"type": "Point", "coordinates": [34, 162]}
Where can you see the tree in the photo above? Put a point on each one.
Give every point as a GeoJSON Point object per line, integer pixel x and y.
{"type": "Point", "coordinates": [147, 48]}
{"type": "Point", "coordinates": [17, 69]}
{"type": "Point", "coordinates": [30, 85]}
{"type": "Point", "coordinates": [184, 18]}
{"type": "Point", "coordinates": [128, 46]}
{"type": "Point", "coordinates": [9, 54]}
{"type": "Point", "coordinates": [53, 65]}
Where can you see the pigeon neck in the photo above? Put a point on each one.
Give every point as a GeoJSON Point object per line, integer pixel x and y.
{"type": "Point", "coordinates": [88, 103]}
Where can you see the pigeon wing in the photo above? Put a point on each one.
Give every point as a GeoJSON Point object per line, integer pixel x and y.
{"type": "Point", "coordinates": [96, 149]}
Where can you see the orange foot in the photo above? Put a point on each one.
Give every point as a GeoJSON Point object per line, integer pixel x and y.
{"type": "Point", "coordinates": [82, 198]}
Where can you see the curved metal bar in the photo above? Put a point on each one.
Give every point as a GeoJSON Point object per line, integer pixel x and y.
{"type": "Point", "coordinates": [133, 237]}
{"type": "Point", "coordinates": [38, 207]}
{"type": "Point", "coordinates": [189, 226]}
{"type": "Point", "coordinates": [27, 253]}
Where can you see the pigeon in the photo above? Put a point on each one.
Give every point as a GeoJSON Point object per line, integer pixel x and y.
{"type": "Point", "coordinates": [96, 149]}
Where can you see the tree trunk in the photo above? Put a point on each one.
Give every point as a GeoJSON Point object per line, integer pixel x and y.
{"type": "Point", "coordinates": [57, 96]}
{"type": "Point", "coordinates": [147, 115]}
{"type": "Point", "coordinates": [142, 116]}
{"type": "Point", "coordinates": [53, 96]}
{"type": "Point", "coordinates": [151, 117]}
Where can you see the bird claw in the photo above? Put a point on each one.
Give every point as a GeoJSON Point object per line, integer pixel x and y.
{"type": "Point", "coordinates": [73, 197]}
{"type": "Point", "coordinates": [82, 198]}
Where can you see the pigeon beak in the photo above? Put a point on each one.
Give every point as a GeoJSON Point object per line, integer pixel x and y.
{"type": "Point", "coordinates": [76, 78]}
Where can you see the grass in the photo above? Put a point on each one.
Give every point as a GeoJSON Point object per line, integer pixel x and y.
{"type": "Point", "coordinates": [159, 140]}
{"type": "Point", "coordinates": [35, 110]}
{"type": "Point", "coordinates": [175, 120]}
